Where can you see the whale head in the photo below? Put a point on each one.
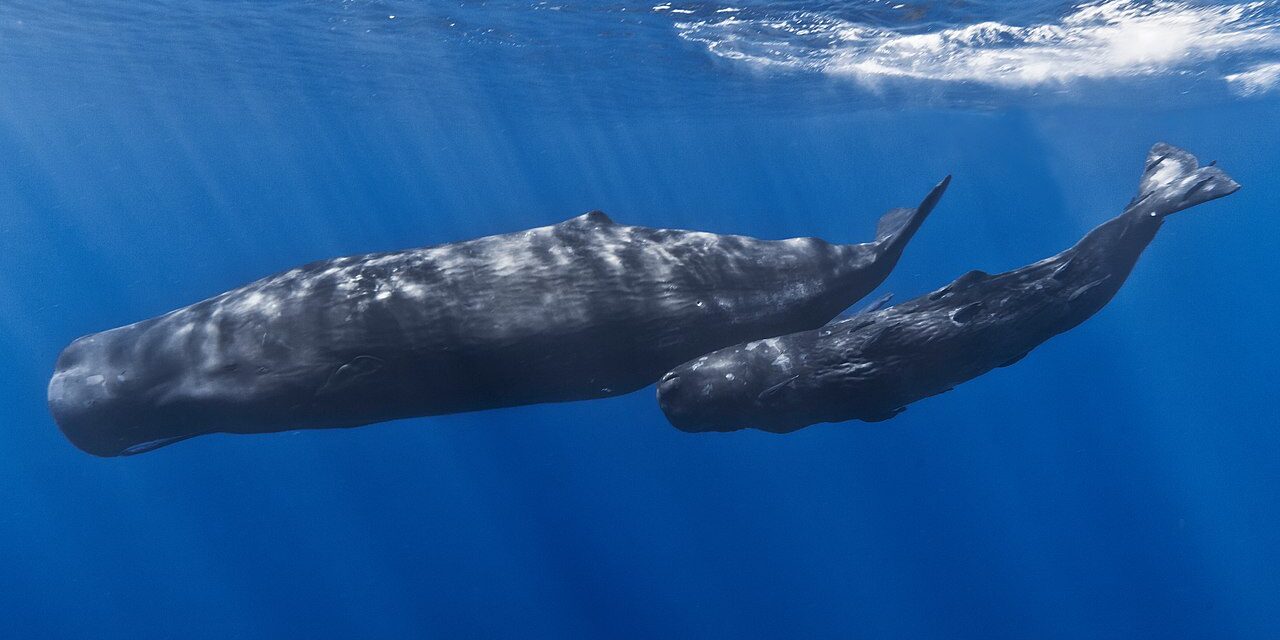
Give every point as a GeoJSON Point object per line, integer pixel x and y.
{"type": "Point", "coordinates": [712, 393]}
{"type": "Point", "coordinates": [106, 408]}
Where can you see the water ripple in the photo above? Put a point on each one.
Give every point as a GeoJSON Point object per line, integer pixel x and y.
{"type": "Point", "coordinates": [1093, 41]}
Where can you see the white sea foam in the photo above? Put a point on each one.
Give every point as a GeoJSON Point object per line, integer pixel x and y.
{"type": "Point", "coordinates": [1098, 40]}
{"type": "Point", "coordinates": [1259, 79]}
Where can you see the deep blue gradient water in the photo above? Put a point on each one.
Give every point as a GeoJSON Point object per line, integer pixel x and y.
{"type": "Point", "coordinates": [1120, 482]}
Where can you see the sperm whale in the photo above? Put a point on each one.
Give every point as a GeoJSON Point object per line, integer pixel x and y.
{"type": "Point", "coordinates": [586, 308]}
{"type": "Point", "coordinates": [870, 366]}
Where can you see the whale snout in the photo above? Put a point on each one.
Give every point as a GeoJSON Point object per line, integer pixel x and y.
{"type": "Point", "coordinates": [81, 399]}
{"type": "Point", "coordinates": [677, 403]}
{"type": "Point", "coordinates": [77, 414]}
{"type": "Point", "coordinates": [695, 401]}
{"type": "Point", "coordinates": [669, 383]}
{"type": "Point", "coordinates": [96, 401]}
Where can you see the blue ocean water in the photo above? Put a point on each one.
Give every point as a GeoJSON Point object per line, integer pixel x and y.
{"type": "Point", "coordinates": [1118, 483]}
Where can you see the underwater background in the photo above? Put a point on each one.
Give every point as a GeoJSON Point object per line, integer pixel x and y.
{"type": "Point", "coordinates": [1120, 482]}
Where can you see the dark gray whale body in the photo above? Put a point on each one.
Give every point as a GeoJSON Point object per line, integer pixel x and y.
{"type": "Point", "coordinates": [869, 367]}
{"type": "Point", "coordinates": [583, 309]}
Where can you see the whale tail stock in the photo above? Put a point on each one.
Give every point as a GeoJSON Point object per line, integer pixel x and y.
{"type": "Point", "coordinates": [1173, 180]}
{"type": "Point", "coordinates": [895, 228]}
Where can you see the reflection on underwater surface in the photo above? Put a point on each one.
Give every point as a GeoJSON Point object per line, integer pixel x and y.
{"type": "Point", "coordinates": [1094, 40]}
{"type": "Point", "coordinates": [606, 56]}
{"type": "Point", "coordinates": [1119, 482]}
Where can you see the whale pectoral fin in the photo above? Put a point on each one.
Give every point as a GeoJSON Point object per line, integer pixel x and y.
{"type": "Point", "coordinates": [884, 416]}
{"type": "Point", "coordinates": [874, 306]}
{"type": "Point", "coordinates": [358, 368]}
{"type": "Point", "coordinates": [1014, 360]}
{"type": "Point", "coordinates": [877, 304]}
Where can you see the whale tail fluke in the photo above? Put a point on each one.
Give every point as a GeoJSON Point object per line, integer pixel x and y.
{"type": "Point", "coordinates": [1173, 180]}
{"type": "Point", "coordinates": [896, 227]}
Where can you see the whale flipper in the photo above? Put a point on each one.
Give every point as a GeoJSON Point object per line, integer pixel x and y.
{"type": "Point", "coordinates": [877, 304]}
{"type": "Point", "coordinates": [1173, 180]}
{"type": "Point", "coordinates": [888, 415]}
{"type": "Point", "coordinates": [872, 307]}
{"type": "Point", "coordinates": [1014, 360]}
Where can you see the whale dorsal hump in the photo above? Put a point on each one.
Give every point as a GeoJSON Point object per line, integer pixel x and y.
{"type": "Point", "coordinates": [963, 282]}
{"type": "Point", "coordinates": [969, 279]}
{"type": "Point", "coordinates": [595, 218]}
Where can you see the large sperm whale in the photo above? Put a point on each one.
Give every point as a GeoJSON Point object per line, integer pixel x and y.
{"type": "Point", "coordinates": [583, 309]}
{"type": "Point", "coordinates": [870, 366]}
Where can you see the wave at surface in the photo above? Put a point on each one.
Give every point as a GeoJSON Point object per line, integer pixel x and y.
{"type": "Point", "coordinates": [1259, 79]}
{"type": "Point", "coordinates": [1093, 41]}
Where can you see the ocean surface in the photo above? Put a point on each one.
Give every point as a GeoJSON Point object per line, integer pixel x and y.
{"type": "Point", "coordinates": [1120, 482]}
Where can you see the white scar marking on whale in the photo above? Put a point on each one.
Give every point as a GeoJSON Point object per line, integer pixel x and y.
{"type": "Point", "coordinates": [382, 260]}
{"type": "Point", "coordinates": [179, 335]}
{"type": "Point", "coordinates": [255, 302]}
{"type": "Point", "coordinates": [1165, 173]}
{"type": "Point", "coordinates": [209, 347]}
{"type": "Point", "coordinates": [414, 290]}
{"type": "Point", "coordinates": [610, 252]}
{"type": "Point", "coordinates": [563, 257]}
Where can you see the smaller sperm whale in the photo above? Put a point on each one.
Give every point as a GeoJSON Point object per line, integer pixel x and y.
{"type": "Point", "coordinates": [870, 366]}
{"type": "Point", "coordinates": [583, 309]}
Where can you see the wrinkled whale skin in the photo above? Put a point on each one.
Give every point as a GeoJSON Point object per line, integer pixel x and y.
{"type": "Point", "coordinates": [870, 366]}
{"type": "Point", "coordinates": [582, 309]}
